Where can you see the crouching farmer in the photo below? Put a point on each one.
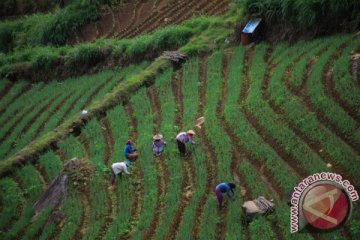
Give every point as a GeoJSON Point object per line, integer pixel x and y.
{"type": "Point", "coordinates": [129, 152]}
{"type": "Point", "coordinates": [158, 145]}
{"type": "Point", "coordinates": [224, 188]}
{"type": "Point", "coordinates": [117, 169]}
{"type": "Point", "coordinates": [182, 138]}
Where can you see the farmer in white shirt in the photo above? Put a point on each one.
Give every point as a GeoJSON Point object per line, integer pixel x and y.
{"type": "Point", "coordinates": [182, 138]}
{"type": "Point", "coordinates": [119, 168]}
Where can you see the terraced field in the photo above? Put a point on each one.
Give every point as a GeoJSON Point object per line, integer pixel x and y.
{"type": "Point", "coordinates": [139, 17]}
{"type": "Point", "coordinates": [273, 116]}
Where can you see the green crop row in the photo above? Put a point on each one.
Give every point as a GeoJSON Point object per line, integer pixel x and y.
{"type": "Point", "coordinates": [223, 150]}
{"type": "Point", "coordinates": [144, 116]}
{"type": "Point", "coordinates": [18, 107]}
{"type": "Point", "coordinates": [70, 99]}
{"type": "Point", "coordinates": [191, 100]}
{"type": "Point", "coordinates": [93, 132]}
{"type": "Point", "coordinates": [125, 187]}
{"type": "Point", "coordinates": [308, 124]}
{"type": "Point", "coordinates": [278, 129]}
{"type": "Point", "coordinates": [316, 91]}
{"type": "Point", "coordinates": [11, 201]}
{"type": "Point", "coordinates": [72, 207]}
{"type": "Point", "coordinates": [171, 159]}
{"type": "Point", "coordinates": [31, 190]}
{"type": "Point", "coordinates": [15, 90]}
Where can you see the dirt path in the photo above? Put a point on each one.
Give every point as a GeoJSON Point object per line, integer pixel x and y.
{"type": "Point", "coordinates": [138, 201]}
{"type": "Point", "coordinates": [186, 163]}
{"type": "Point", "coordinates": [162, 172]}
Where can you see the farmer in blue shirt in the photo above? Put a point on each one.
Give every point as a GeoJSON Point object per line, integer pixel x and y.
{"type": "Point", "coordinates": [130, 152]}
{"type": "Point", "coordinates": [224, 188]}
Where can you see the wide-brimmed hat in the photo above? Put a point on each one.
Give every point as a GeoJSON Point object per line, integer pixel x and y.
{"type": "Point", "coordinates": [158, 137]}
{"type": "Point", "coordinates": [191, 132]}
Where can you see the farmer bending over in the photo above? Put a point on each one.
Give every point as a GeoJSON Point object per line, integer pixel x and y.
{"type": "Point", "coordinates": [118, 168]}
{"type": "Point", "coordinates": [158, 145]}
{"type": "Point", "coordinates": [183, 138]}
{"type": "Point", "coordinates": [224, 188]}
{"type": "Point", "coordinates": [130, 152]}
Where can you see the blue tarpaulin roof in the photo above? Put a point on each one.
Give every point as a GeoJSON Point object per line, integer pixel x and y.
{"type": "Point", "coordinates": [251, 25]}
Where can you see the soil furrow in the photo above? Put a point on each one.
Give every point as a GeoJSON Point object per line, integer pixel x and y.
{"type": "Point", "coordinates": [262, 131]}
{"type": "Point", "coordinates": [138, 201]}
{"type": "Point", "coordinates": [109, 140]}
{"type": "Point", "coordinates": [149, 26]}
{"type": "Point", "coordinates": [127, 32]}
{"type": "Point", "coordinates": [354, 70]}
{"type": "Point", "coordinates": [219, 9]}
{"type": "Point", "coordinates": [329, 85]}
{"type": "Point", "coordinates": [187, 173]}
{"type": "Point", "coordinates": [161, 180]}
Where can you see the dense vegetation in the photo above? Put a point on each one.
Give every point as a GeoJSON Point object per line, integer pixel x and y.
{"type": "Point", "coordinates": [307, 14]}
{"type": "Point", "coordinates": [257, 133]}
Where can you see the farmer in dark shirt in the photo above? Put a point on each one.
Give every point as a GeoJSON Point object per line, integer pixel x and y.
{"type": "Point", "coordinates": [224, 188]}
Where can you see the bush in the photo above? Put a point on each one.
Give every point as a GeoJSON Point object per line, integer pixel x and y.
{"type": "Point", "coordinates": [44, 60]}
{"type": "Point", "coordinates": [85, 55]}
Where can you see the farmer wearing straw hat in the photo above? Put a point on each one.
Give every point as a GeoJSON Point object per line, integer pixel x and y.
{"type": "Point", "coordinates": [182, 138]}
{"type": "Point", "coordinates": [158, 145]}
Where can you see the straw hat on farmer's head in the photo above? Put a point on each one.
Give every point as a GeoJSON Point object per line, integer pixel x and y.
{"type": "Point", "coordinates": [157, 137]}
{"type": "Point", "coordinates": [191, 132]}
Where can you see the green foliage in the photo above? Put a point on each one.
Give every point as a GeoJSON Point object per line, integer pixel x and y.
{"type": "Point", "coordinates": [306, 13]}
{"type": "Point", "coordinates": [85, 55]}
